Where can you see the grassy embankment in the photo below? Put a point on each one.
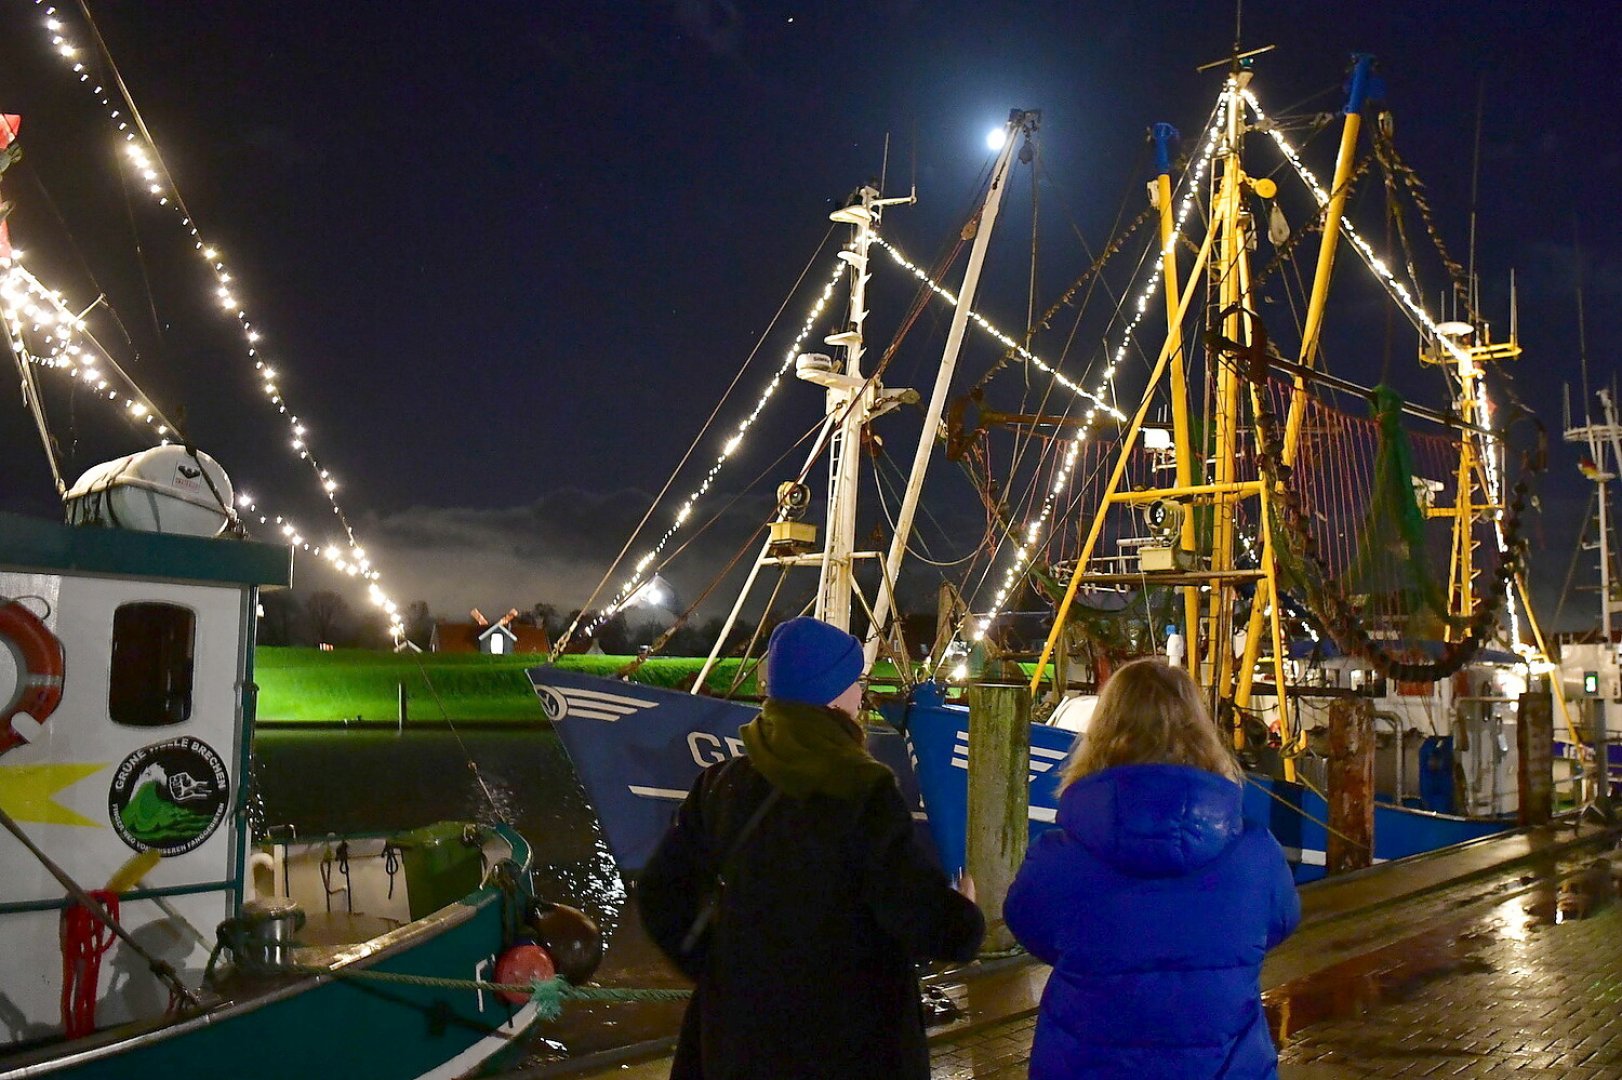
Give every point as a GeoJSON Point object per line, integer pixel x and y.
{"type": "Point", "coordinates": [308, 686]}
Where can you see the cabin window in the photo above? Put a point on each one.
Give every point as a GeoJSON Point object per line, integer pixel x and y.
{"type": "Point", "coordinates": [152, 664]}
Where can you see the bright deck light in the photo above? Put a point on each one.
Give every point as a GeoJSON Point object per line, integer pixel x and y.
{"type": "Point", "coordinates": [995, 138]}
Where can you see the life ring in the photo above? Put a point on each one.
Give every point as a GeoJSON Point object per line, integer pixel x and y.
{"type": "Point", "coordinates": [40, 660]}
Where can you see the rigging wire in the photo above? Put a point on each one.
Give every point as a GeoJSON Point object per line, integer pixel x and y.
{"type": "Point", "coordinates": [563, 639]}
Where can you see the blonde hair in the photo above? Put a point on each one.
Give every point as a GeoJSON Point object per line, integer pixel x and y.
{"type": "Point", "coordinates": [1149, 713]}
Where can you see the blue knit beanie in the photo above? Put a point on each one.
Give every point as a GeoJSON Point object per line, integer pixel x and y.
{"type": "Point", "coordinates": [807, 660]}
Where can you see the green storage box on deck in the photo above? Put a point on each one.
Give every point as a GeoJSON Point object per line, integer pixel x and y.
{"type": "Point", "coordinates": [440, 866]}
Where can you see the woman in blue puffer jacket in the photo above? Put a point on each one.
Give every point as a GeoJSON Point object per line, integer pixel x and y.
{"type": "Point", "coordinates": [1154, 900]}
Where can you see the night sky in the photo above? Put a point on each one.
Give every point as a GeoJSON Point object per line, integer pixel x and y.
{"type": "Point", "coordinates": [508, 255]}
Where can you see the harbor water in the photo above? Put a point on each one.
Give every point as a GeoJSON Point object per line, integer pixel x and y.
{"type": "Point", "coordinates": [347, 781]}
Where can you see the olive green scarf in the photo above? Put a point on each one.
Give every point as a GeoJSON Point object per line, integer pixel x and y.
{"type": "Point", "coordinates": [811, 749]}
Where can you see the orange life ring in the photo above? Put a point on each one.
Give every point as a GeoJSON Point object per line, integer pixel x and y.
{"type": "Point", "coordinates": [40, 660]}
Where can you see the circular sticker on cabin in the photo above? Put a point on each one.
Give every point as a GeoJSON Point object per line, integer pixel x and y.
{"type": "Point", "coordinates": [552, 703]}
{"type": "Point", "coordinates": [169, 797]}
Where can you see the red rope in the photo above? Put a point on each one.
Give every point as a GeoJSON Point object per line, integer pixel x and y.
{"type": "Point", "coordinates": [85, 940]}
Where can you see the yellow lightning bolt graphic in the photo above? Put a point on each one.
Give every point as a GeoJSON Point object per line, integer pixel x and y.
{"type": "Point", "coordinates": [26, 792]}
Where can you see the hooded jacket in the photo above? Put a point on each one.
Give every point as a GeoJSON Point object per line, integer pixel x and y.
{"type": "Point", "coordinates": [1155, 902]}
{"type": "Point", "coordinates": [806, 970]}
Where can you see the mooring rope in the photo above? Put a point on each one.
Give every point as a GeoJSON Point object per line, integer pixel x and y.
{"type": "Point", "coordinates": [548, 994]}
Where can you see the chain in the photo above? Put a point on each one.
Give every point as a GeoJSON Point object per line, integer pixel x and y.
{"type": "Point", "coordinates": [1342, 619]}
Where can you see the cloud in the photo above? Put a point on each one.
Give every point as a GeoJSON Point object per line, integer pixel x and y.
{"type": "Point", "coordinates": [552, 550]}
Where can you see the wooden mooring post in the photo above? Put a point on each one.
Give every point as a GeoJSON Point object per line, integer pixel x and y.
{"type": "Point", "coordinates": [1351, 785]}
{"type": "Point", "coordinates": [1534, 747]}
{"type": "Point", "coordinates": [999, 790]}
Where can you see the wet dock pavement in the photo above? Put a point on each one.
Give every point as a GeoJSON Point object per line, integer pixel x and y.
{"type": "Point", "coordinates": [1502, 957]}
{"type": "Point", "coordinates": [1517, 970]}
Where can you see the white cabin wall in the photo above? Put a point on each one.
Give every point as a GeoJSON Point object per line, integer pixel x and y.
{"type": "Point", "coordinates": [81, 738]}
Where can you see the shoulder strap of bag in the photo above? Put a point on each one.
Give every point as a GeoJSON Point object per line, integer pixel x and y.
{"type": "Point", "coordinates": [712, 902]}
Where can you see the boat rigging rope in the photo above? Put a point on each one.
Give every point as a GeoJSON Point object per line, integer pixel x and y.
{"type": "Point", "coordinates": [473, 766]}
{"type": "Point", "coordinates": [1393, 164]}
{"type": "Point", "coordinates": [549, 995]}
{"type": "Point", "coordinates": [164, 971]}
{"type": "Point", "coordinates": [563, 639]}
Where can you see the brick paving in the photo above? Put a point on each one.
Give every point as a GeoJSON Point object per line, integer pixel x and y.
{"type": "Point", "coordinates": [1500, 992]}
{"type": "Point", "coordinates": [1510, 993]}
{"type": "Point", "coordinates": [1453, 966]}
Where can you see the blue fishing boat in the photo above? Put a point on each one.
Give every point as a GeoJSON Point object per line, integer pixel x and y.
{"type": "Point", "coordinates": [1293, 538]}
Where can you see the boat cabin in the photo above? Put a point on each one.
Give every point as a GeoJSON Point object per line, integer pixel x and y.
{"type": "Point", "coordinates": [127, 697]}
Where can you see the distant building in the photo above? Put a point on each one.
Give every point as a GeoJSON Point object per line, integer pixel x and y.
{"type": "Point", "coordinates": [504, 636]}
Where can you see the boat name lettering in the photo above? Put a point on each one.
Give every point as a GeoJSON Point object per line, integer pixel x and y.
{"type": "Point", "coordinates": [710, 749]}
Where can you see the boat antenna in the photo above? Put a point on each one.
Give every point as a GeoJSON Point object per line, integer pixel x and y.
{"type": "Point", "coordinates": [915, 160]}
{"type": "Point", "coordinates": [1475, 187]}
{"type": "Point", "coordinates": [1582, 328]}
{"type": "Point", "coordinates": [884, 164]}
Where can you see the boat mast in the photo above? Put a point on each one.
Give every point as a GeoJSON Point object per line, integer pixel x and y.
{"type": "Point", "coordinates": [852, 401]}
{"type": "Point", "coordinates": [1182, 443]}
{"type": "Point", "coordinates": [849, 399]}
{"type": "Point", "coordinates": [1019, 122]}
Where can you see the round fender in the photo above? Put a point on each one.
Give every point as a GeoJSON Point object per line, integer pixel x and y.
{"type": "Point", "coordinates": [519, 964]}
{"type": "Point", "coordinates": [569, 936]}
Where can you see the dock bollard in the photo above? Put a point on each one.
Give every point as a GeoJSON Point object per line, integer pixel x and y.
{"type": "Point", "coordinates": [1351, 785]}
{"type": "Point", "coordinates": [1534, 746]}
{"type": "Point", "coordinates": [999, 795]}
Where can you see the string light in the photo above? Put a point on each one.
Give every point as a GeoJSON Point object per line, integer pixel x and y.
{"type": "Point", "coordinates": [21, 294]}
{"type": "Point", "coordinates": [1025, 548]}
{"type": "Point", "coordinates": [1422, 318]}
{"type": "Point", "coordinates": [729, 448]}
{"type": "Point", "coordinates": [144, 159]}
{"type": "Point", "coordinates": [979, 320]}
{"type": "Point", "coordinates": [31, 309]}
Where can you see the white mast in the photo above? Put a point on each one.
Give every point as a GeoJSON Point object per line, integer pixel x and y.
{"type": "Point", "coordinates": [849, 416]}
{"type": "Point", "coordinates": [1018, 121]}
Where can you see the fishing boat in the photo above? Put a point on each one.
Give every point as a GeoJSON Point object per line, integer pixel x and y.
{"type": "Point", "coordinates": [149, 928]}
{"type": "Point", "coordinates": [1591, 665]}
{"type": "Point", "coordinates": [146, 929]}
{"type": "Point", "coordinates": [1295, 538]}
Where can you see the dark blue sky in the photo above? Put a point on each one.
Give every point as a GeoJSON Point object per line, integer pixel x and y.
{"type": "Point", "coordinates": [508, 255]}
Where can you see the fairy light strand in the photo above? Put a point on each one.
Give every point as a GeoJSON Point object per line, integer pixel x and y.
{"type": "Point", "coordinates": [144, 159]}
{"type": "Point", "coordinates": [56, 327]}
{"type": "Point", "coordinates": [729, 448]}
{"type": "Point", "coordinates": [1034, 529]}
{"type": "Point", "coordinates": [1005, 339]}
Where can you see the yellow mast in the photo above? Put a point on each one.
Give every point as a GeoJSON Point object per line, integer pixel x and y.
{"type": "Point", "coordinates": [1182, 444]}
{"type": "Point", "coordinates": [1225, 250]}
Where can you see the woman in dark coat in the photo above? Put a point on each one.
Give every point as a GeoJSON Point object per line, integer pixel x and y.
{"type": "Point", "coordinates": [1154, 900]}
{"type": "Point", "coordinates": [806, 968]}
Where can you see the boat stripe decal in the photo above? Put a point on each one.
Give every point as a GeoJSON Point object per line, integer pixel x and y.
{"type": "Point", "coordinates": [634, 703]}
{"type": "Point", "coordinates": [595, 703]}
{"type": "Point", "coordinates": [599, 707]}
{"type": "Point", "coordinates": [959, 761]}
{"type": "Point", "coordinates": [672, 794]}
{"type": "Point", "coordinates": [961, 749]}
{"type": "Point", "coordinates": [592, 714]}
